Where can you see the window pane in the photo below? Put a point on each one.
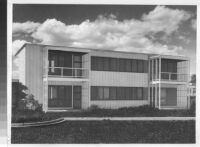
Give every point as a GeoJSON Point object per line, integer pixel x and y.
{"type": "Point", "coordinates": [139, 93]}
{"type": "Point", "coordinates": [122, 65]}
{"type": "Point", "coordinates": [128, 93]}
{"type": "Point", "coordinates": [106, 64]}
{"type": "Point", "coordinates": [113, 92]}
{"type": "Point", "coordinates": [106, 93]}
{"type": "Point", "coordinates": [54, 92]}
{"type": "Point", "coordinates": [94, 63]}
{"type": "Point", "coordinates": [134, 66]}
{"type": "Point", "coordinates": [77, 58]}
{"type": "Point", "coordinates": [94, 93]}
{"type": "Point", "coordinates": [145, 93]}
{"type": "Point", "coordinates": [61, 92]}
{"type": "Point", "coordinates": [146, 66]}
{"type": "Point", "coordinates": [140, 66]}
{"type": "Point", "coordinates": [113, 64]}
{"type": "Point", "coordinates": [134, 93]}
{"type": "Point", "coordinates": [128, 65]}
{"type": "Point", "coordinates": [100, 93]}
{"type": "Point", "coordinates": [61, 61]}
{"type": "Point", "coordinates": [100, 63]}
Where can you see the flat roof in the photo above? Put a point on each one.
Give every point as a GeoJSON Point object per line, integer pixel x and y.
{"type": "Point", "coordinates": [101, 50]}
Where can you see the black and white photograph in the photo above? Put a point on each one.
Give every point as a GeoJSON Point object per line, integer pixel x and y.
{"type": "Point", "coordinates": [103, 73]}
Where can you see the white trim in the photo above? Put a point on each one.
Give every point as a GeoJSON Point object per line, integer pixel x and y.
{"type": "Point", "coordinates": [67, 79]}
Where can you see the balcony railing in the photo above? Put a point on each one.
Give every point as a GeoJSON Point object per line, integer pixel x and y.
{"type": "Point", "coordinates": [169, 76]}
{"type": "Point", "coordinates": [68, 72]}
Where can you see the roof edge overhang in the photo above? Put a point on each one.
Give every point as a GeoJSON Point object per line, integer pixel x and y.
{"type": "Point", "coordinates": [151, 56]}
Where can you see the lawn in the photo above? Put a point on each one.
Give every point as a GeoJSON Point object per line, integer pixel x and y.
{"type": "Point", "coordinates": [108, 132]}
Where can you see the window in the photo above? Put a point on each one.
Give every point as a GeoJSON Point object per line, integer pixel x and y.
{"type": "Point", "coordinates": [118, 93]}
{"type": "Point", "coordinates": [122, 65]}
{"type": "Point", "coordinates": [119, 64]}
{"type": "Point", "coordinates": [113, 64]}
{"type": "Point", "coordinates": [139, 93]}
{"type": "Point", "coordinates": [146, 66]}
{"type": "Point", "coordinates": [128, 65]}
{"type": "Point", "coordinates": [106, 93]}
{"type": "Point", "coordinates": [97, 63]}
{"type": "Point", "coordinates": [145, 93]}
{"type": "Point", "coordinates": [113, 92]}
{"type": "Point", "coordinates": [133, 93]}
{"type": "Point", "coordinates": [134, 66]}
{"type": "Point", "coordinates": [106, 64]}
{"type": "Point", "coordinates": [140, 66]}
{"type": "Point", "coordinates": [94, 93]}
{"type": "Point", "coordinates": [100, 93]}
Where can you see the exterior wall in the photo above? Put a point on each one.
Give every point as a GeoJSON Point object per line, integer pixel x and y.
{"type": "Point", "coordinates": [122, 79]}
{"type": "Point", "coordinates": [107, 78]}
{"type": "Point", "coordinates": [182, 101]}
{"type": "Point", "coordinates": [34, 71]}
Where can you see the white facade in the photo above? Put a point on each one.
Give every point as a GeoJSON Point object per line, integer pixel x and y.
{"type": "Point", "coordinates": [34, 68]}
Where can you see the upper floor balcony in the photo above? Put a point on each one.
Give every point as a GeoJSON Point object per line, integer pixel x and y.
{"type": "Point", "coordinates": [169, 69]}
{"type": "Point", "coordinates": [67, 64]}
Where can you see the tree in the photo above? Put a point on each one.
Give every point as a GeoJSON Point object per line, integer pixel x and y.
{"type": "Point", "coordinates": [193, 79]}
{"type": "Point", "coordinates": [18, 93]}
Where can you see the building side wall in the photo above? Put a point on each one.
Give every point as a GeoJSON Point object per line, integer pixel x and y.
{"type": "Point", "coordinates": [34, 71]}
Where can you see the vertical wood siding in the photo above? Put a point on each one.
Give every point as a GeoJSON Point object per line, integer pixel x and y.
{"type": "Point", "coordinates": [34, 71]}
{"type": "Point", "coordinates": [107, 78]}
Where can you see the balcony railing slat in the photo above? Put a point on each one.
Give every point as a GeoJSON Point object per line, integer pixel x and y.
{"type": "Point", "coordinates": [171, 76]}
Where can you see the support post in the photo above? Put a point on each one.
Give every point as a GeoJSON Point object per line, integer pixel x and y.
{"type": "Point", "coordinates": [159, 80]}
{"type": "Point", "coordinates": [156, 69]}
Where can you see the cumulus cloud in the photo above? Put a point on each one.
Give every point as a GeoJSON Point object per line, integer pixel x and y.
{"type": "Point", "coordinates": [24, 28]}
{"type": "Point", "coordinates": [16, 45]}
{"type": "Point", "coordinates": [165, 19]}
{"type": "Point", "coordinates": [106, 32]}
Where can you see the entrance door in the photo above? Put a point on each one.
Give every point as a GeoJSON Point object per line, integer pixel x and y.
{"type": "Point", "coordinates": [60, 96]}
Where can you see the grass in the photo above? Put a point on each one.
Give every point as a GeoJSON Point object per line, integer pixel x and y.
{"type": "Point", "coordinates": [108, 132]}
{"type": "Point", "coordinates": [146, 111]}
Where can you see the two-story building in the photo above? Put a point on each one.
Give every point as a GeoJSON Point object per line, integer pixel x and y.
{"type": "Point", "coordinates": [64, 78]}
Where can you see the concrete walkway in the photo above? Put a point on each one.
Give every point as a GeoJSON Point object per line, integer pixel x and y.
{"type": "Point", "coordinates": [128, 118]}
{"type": "Point", "coordinates": [61, 120]}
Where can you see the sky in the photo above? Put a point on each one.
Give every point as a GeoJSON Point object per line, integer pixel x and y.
{"type": "Point", "coordinates": [159, 29]}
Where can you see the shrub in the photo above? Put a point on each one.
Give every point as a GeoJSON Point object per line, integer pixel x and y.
{"type": "Point", "coordinates": [93, 108]}
{"type": "Point", "coordinates": [192, 110]}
